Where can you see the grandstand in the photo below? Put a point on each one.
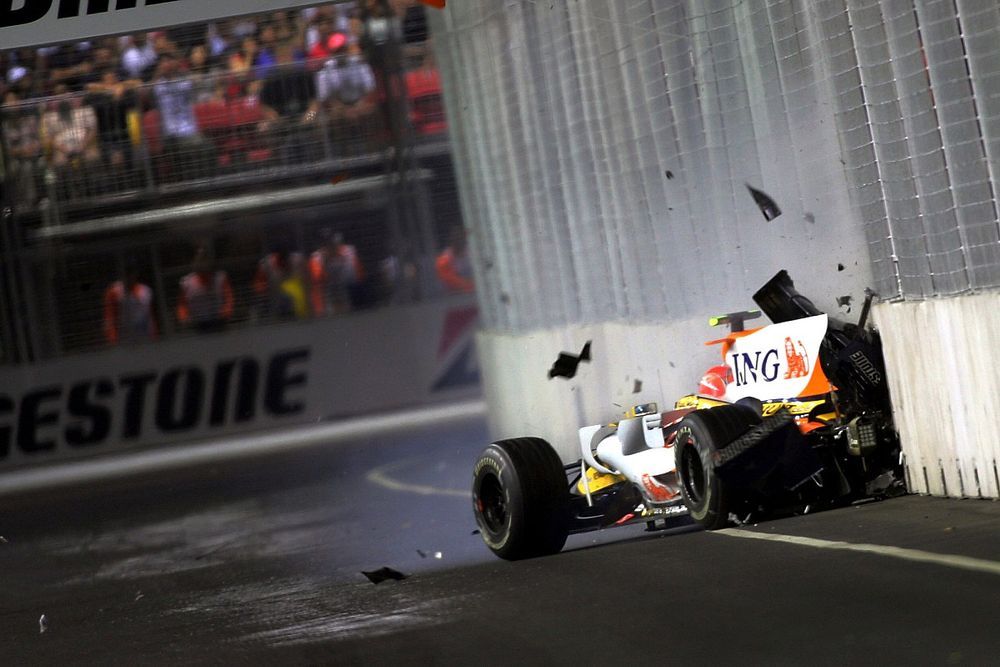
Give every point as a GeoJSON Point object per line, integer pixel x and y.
{"type": "Point", "coordinates": [244, 136]}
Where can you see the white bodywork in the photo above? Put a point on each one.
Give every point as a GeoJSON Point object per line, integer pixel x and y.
{"type": "Point", "coordinates": [635, 449]}
{"type": "Point", "coordinates": [775, 362]}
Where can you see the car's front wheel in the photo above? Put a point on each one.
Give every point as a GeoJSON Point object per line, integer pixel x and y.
{"type": "Point", "coordinates": [709, 499]}
{"type": "Point", "coordinates": [520, 498]}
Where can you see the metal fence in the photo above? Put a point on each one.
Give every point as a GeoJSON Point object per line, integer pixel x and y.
{"type": "Point", "coordinates": [250, 172]}
{"type": "Point", "coordinates": [921, 111]}
{"type": "Point", "coordinates": [607, 146]}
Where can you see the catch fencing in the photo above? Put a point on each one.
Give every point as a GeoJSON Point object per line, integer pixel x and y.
{"type": "Point", "coordinates": [608, 145]}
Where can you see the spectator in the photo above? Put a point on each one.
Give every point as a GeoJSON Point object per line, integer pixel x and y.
{"type": "Point", "coordinates": [345, 78]}
{"type": "Point", "coordinates": [322, 25]}
{"type": "Point", "coordinates": [245, 26]}
{"type": "Point", "coordinates": [21, 75]}
{"type": "Point", "coordinates": [104, 59]}
{"type": "Point", "coordinates": [163, 45]}
{"type": "Point", "coordinates": [139, 57]}
{"type": "Point", "coordinates": [218, 39]}
{"type": "Point", "coordinates": [414, 15]}
{"type": "Point", "coordinates": [241, 69]}
{"type": "Point", "coordinates": [281, 287]}
{"type": "Point", "coordinates": [128, 310]}
{"type": "Point", "coordinates": [206, 297]}
{"type": "Point", "coordinates": [344, 85]}
{"type": "Point", "coordinates": [21, 134]}
{"type": "Point", "coordinates": [267, 41]}
{"type": "Point", "coordinates": [70, 132]}
{"type": "Point", "coordinates": [70, 65]}
{"type": "Point", "coordinates": [336, 274]}
{"type": "Point", "coordinates": [322, 43]}
{"type": "Point", "coordinates": [114, 102]}
{"type": "Point", "coordinates": [285, 28]}
{"type": "Point", "coordinates": [205, 79]}
{"type": "Point", "coordinates": [453, 267]}
{"type": "Point", "coordinates": [182, 142]}
{"type": "Point", "coordinates": [380, 28]}
{"type": "Point", "coordinates": [423, 86]}
{"type": "Point", "coordinates": [289, 106]}
{"type": "Point", "coordinates": [396, 281]}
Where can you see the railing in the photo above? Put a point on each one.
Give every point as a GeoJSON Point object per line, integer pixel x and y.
{"type": "Point", "coordinates": [126, 139]}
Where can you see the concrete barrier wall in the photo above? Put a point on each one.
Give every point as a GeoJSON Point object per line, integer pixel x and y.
{"type": "Point", "coordinates": [942, 363]}
{"type": "Point", "coordinates": [666, 359]}
{"type": "Point", "coordinates": [185, 389]}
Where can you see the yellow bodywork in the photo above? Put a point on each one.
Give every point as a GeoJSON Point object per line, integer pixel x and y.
{"type": "Point", "coordinates": [597, 480]}
{"type": "Point", "coordinates": [697, 402]}
{"type": "Point", "coordinates": [795, 407]}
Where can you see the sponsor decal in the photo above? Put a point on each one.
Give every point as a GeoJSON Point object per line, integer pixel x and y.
{"type": "Point", "coordinates": [864, 364]}
{"type": "Point", "coordinates": [35, 10]}
{"type": "Point", "coordinates": [657, 492]}
{"type": "Point", "coordinates": [749, 368]}
{"type": "Point", "coordinates": [794, 407]}
{"type": "Point", "coordinates": [778, 361]}
{"type": "Point", "coordinates": [672, 510]}
{"type": "Point", "coordinates": [457, 350]}
{"type": "Point", "coordinates": [796, 359]}
{"type": "Point", "coordinates": [36, 22]}
{"type": "Point", "coordinates": [488, 462]}
{"type": "Point", "coordinates": [102, 410]}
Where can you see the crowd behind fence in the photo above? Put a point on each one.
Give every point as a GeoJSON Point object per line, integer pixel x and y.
{"type": "Point", "coordinates": [178, 182]}
{"type": "Point", "coordinates": [279, 91]}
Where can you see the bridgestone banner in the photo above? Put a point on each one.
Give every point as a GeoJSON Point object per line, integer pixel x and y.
{"type": "Point", "coordinates": [202, 387]}
{"type": "Point", "coordinates": [38, 22]}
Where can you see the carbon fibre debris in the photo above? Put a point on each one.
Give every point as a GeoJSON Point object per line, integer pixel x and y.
{"type": "Point", "coordinates": [566, 364]}
{"type": "Point", "coordinates": [383, 574]}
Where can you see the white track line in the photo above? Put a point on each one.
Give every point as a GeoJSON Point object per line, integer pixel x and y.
{"type": "Point", "coordinates": [947, 560]}
{"type": "Point", "coordinates": [381, 477]}
{"type": "Point", "coordinates": [180, 455]}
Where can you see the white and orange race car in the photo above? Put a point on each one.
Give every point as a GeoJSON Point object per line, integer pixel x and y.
{"type": "Point", "coordinates": [796, 418]}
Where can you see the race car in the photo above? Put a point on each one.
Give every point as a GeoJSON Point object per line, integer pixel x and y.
{"type": "Point", "coordinates": [796, 418]}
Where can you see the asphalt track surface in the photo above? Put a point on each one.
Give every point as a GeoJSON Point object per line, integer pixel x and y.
{"type": "Point", "coordinates": [258, 561]}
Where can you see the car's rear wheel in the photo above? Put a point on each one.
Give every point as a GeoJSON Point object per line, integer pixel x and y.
{"type": "Point", "coordinates": [520, 498]}
{"type": "Point", "coordinates": [709, 499]}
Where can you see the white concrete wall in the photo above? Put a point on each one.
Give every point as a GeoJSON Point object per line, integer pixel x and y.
{"type": "Point", "coordinates": [942, 360]}
{"type": "Point", "coordinates": [669, 359]}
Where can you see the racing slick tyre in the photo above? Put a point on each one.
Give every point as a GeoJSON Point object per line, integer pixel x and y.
{"type": "Point", "coordinates": [709, 499]}
{"type": "Point", "coordinates": [520, 498]}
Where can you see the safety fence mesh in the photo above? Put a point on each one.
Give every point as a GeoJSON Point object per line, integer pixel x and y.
{"type": "Point", "coordinates": [605, 150]}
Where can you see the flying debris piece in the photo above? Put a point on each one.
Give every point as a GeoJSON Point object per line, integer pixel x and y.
{"type": "Point", "coordinates": [43, 624]}
{"type": "Point", "coordinates": [764, 203]}
{"type": "Point", "coordinates": [430, 554]}
{"type": "Point", "coordinates": [810, 217]}
{"type": "Point", "coordinates": [475, 531]}
{"type": "Point", "coordinates": [3, 540]}
{"type": "Point", "coordinates": [845, 301]}
{"type": "Point", "coordinates": [382, 574]}
{"type": "Point", "coordinates": [637, 386]}
{"type": "Point", "coordinates": [840, 267]}
{"type": "Point", "coordinates": [669, 174]}
{"type": "Point", "coordinates": [565, 366]}
{"type": "Point", "coordinates": [138, 596]}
